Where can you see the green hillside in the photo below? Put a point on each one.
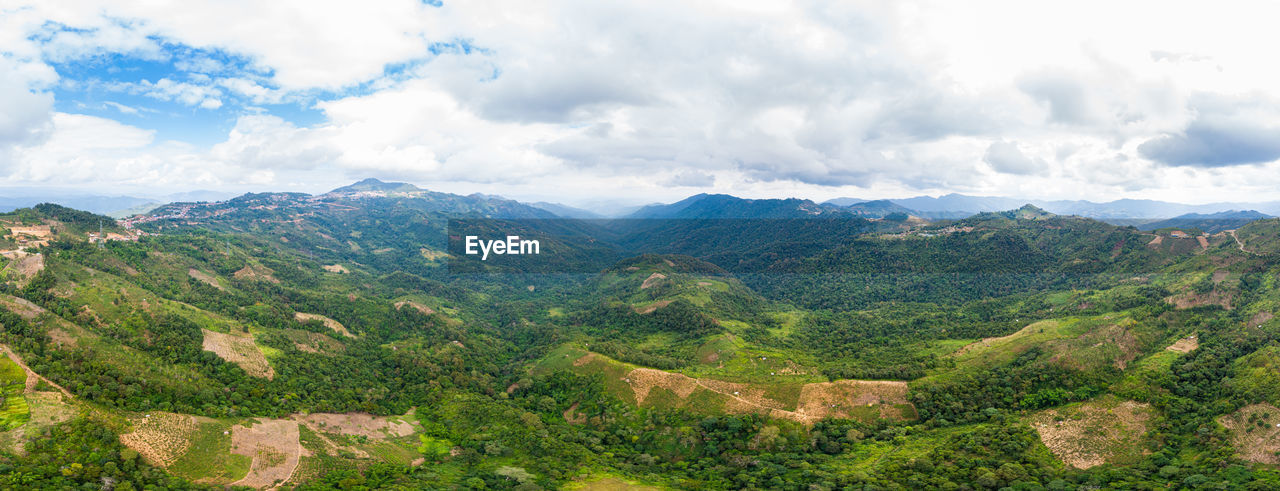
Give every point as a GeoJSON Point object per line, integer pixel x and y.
{"type": "Point", "coordinates": [323, 342]}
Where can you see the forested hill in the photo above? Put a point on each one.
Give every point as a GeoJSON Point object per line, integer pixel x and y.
{"type": "Point", "coordinates": [321, 341]}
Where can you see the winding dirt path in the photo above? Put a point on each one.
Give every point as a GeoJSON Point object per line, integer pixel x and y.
{"type": "Point", "coordinates": [1240, 244]}
{"type": "Point", "coordinates": [32, 377]}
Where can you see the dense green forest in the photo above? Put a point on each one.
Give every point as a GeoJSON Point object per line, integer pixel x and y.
{"type": "Point", "coordinates": [1016, 350]}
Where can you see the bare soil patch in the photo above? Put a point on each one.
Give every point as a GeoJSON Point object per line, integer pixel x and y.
{"type": "Point", "coordinates": [653, 279]}
{"type": "Point", "coordinates": [240, 350]}
{"type": "Point", "coordinates": [643, 380]}
{"type": "Point", "coordinates": [1189, 299]}
{"type": "Point", "coordinates": [160, 437]}
{"type": "Point", "coordinates": [25, 265]}
{"type": "Point", "coordinates": [61, 337]}
{"type": "Point", "coordinates": [648, 309]}
{"type": "Point", "coordinates": [330, 323]}
{"type": "Point", "coordinates": [840, 398]}
{"type": "Point", "coordinates": [1255, 433]}
{"type": "Point", "coordinates": [313, 342]}
{"type": "Point", "coordinates": [1156, 241]}
{"type": "Point", "coordinates": [255, 273]}
{"type": "Point", "coordinates": [751, 395]}
{"type": "Point", "coordinates": [336, 268]}
{"type": "Point", "coordinates": [1260, 317]}
{"type": "Point", "coordinates": [1185, 345]}
{"type": "Point", "coordinates": [421, 308]}
{"type": "Point", "coordinates": [21, 306]}
{"type": "Point", "coordinates": [816, 401]}
{"type": "Point", "coordinates": [205, 278]}
{"type": "Point", "coordinates": [1093, 433]}
{"type": "Point", "coordinates": [273, 446]}
{"type": "Point", "coordinates": [356, 424]}
{"type": "Point", "coordinates": [572, 416]}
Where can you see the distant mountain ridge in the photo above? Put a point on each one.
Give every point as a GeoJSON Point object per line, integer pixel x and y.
{"type": "Point", "coordinates": [726, 206]}
{"type": "Point", "coordinates": [956, 205]}
{"type": "Point", "coordinates": [1208, 222]}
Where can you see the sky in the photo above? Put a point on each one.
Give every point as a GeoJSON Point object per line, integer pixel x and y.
{"type": "Point", "coordinates": [604, 101]}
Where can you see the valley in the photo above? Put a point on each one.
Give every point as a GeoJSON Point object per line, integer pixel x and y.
{"type": "Point", "coordinates": [323, 341]}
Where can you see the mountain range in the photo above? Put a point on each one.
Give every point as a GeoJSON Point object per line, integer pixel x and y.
{"type": "Point", "coordinates": [329, 341]}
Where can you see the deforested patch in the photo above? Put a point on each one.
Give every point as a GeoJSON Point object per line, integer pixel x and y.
{"type": "Point", "coordinates": [160, 437]}
{"type": "Point", "coordinates": [1185, 345]}
{"type": "Point", "coordinates": [330, 323]}
{"type": "Point", "coordinates": [648, 309]}
{"type": "Point", "coordinates": [417, 306]}
{"type": "Point", "coordinates": [21, 306]}
{"type": "Point", "coordinates": [205, 278]}
{"type": "Point", "coordinates": [1092, 433]}
{"type": "Point", "coordinates": [644, 380]}
{"type": "Point", "coordinates": [653, 279]}
{"type": "Point", "coordinates": [240, 350]}
{"type": "Point", "coordinates": [854, 399]}
{"type": "Point", "coordinates": [358, 424]}
{"type": "Point", "coordinates": [274, 448]}
{"type": "Point", "coordinates": [255, 273]}
{"type": "Point", "coordinates": [1255, 433]}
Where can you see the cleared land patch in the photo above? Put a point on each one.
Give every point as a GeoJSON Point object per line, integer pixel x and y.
{"type": "Point", "coordinates": [273, 447]}
{"type": "Point", "coordinates": [855, 399]}
{"type": "Point", "coordinates": [653, 279]}
{"type": "Point", "coordinates": [1102, 431]}
{"type": "Point", "coordinates": [807, 403]}
{"type": "Point", "coordinates": [240, 350]}
{"type": "Point", "coordinates": [160, 437]}
{"type": "Point", "coordinates": [255, 273]}
{"type": "Point", "coordinates": [336, 268]}
{"type": "Point", "coordinates": [21, 306]}
{"type": "Point", "coordinates": [1077, 343]}
{"type": "Point", "coordinates": [205, 278]}
{"type": "Point", "coordinates": [648, 309]}
{"type": "Point", "coordinates": [1255, 433]}
{"type": "Point", "coordinates": [419, 307]}
{"type": "Point", "coordinates": [357, 424]}
{"type": "Point", "coordinates": [45, 409]}
{"type": "Point", "coordinates": [329, 323]}
{"type": "Point", "coordinates": [313, 342]}
{"type": "Point", "coordinates": [24, 266]}
{"type": "Point", "coordinates": [1185, 345]}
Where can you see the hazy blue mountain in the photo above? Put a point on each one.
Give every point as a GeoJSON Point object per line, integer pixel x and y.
{"type": "Point", "coordinates": [1208, 222]}
{"type": "Point", "coordinates": [844, 201]}
{"type": "Point", "coordinates": [196, 196]}
{"type": "Point", "coordinates": [92, 203]}
{"type": "Point", "coordinates": [879, 208]}
{"type": "Point", "coordinates": [1121, 211]}
{"type": "Point", "coordinates": [565, 210]}
{"type": "Point", "coordinates": [959, 203]}
{"type": "Point", "coordinates": [726, 206]}
{"type": "Point", "coordinates": [372, 185]}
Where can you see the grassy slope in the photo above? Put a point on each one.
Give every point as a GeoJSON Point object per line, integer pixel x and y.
{"type": "Point", "coordinates": [14, 411]}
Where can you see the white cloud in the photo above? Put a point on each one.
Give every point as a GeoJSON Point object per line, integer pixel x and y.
{"type": "Point", "coordinates": [1006, 157]}
{"type": "Point", "coordinates": [855, 97]}
{"type": "Point", "coordinates": [166, 89]}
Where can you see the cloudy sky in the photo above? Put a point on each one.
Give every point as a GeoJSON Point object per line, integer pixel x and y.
{"type": "Point", "coordinates": [578, 101]}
